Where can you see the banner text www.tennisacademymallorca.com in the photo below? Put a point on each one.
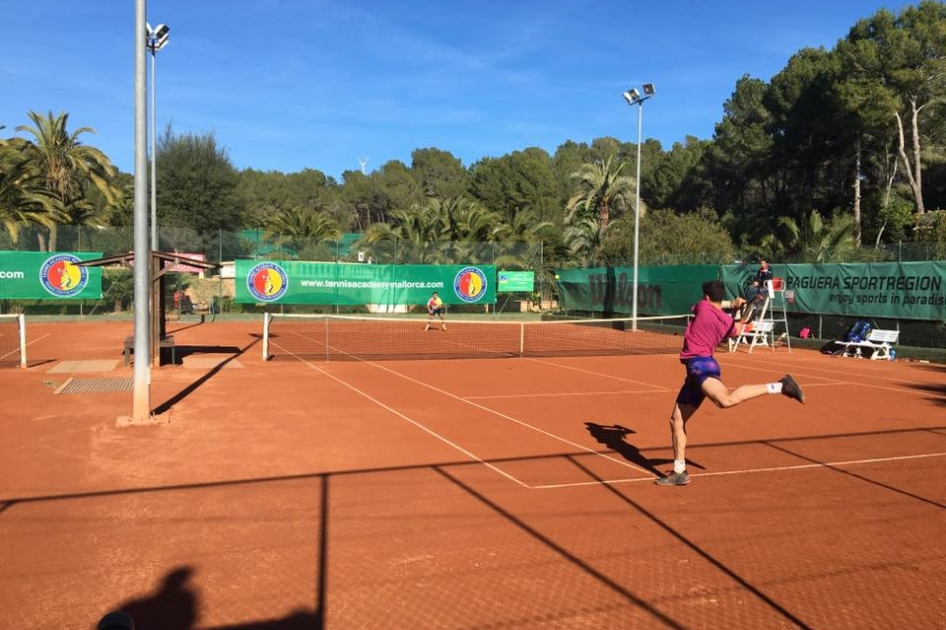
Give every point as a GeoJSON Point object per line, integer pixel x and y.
{"type": "Point", "coordinates": [370, 284]}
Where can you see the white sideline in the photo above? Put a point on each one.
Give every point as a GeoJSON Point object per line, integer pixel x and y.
{"type": "Point", "coordinates": [745, 471]}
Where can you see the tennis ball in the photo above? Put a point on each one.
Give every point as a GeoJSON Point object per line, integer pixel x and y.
{"type": "Point", "coordinates": [558, 277]}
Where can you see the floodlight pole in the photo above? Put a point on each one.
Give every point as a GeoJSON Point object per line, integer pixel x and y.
{"type": "Point", "coordinates": [637, 213]}
{"type": "Point", "coordinates": [156, 40]}
{"type": "Point", "coordinates": [633, 97]}
{"type": "Point", "coordinates": [141, 410]}
{"type": "Point", "coordinates": [154, 190]}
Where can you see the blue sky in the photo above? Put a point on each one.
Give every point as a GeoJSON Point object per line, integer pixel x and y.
{"type": "Point", "coordinates": [293, 84]}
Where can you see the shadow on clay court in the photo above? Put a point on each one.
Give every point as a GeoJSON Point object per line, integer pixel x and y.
{"type": "Point", "coordinates": [756, 591]}
{"type": "Point", "coordinates": [938, 390]}
{"type": "Point", "coordinates": [613, 436]}
{"type": "Point", "coordinates": [187, 350]}
{"type": "Point", "coordinates": [664, 618]}
{"type": "Point", "coordinates": [187, 391]}
{"type": "Point", "coordinates": [850, 473]}
{"type": "Point", "coordinates": [183, 328]}
{"type": "Point", "coordinates": [175, 605]}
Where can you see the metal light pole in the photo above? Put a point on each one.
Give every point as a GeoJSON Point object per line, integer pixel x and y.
{"type": "Point", "coordinates": [633, 97]}
{"type": "Point", "coordinates": [141, 410]}
{"type": "Point", "coordinates": [157, 39]}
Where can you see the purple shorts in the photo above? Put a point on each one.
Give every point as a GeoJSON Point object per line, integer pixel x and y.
{"type": "Point", "coordinates": [698, 370]}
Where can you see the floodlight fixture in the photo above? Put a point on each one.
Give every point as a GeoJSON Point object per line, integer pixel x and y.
{"type": "Point", "coordinates": [157, 37]}
{"type": "Point", "coordinates": [649, 89]}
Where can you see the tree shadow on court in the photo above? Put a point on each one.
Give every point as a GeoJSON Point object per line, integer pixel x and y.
{"type": "Point", "coordinates": [613, 436]}
{"type": "Point", "coordinates": [175, 606]}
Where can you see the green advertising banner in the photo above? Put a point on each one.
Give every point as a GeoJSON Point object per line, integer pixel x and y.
{"type": "Point", "coordinates": [510, 281]}
{"type": "Point", "coordinates": [49, 276]}
{"type": "Point", "coordinates": [296, 282]}
{"type": "Point", "coordinates": [904, 290]}
{"type": "Point", "coordinates": [660, 290]}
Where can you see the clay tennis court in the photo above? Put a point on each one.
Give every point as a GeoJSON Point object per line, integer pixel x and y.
{"type": "Point", "coordinates": [487, 494]}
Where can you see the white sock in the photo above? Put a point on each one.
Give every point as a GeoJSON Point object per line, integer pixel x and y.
{"type": "Point", "coordinates": [679, 465]}
{"type": "Point", "coordinates": [774, 388]}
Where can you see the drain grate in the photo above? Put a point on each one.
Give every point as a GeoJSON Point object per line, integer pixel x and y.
{"type": "Point", "coordinates": [96, 385]}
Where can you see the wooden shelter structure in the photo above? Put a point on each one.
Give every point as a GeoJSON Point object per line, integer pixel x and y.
{"type": "Point", "coordinates": [161, 264]}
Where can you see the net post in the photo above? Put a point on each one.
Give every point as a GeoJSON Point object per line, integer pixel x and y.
{"type": "Point", "coordinates": [522, 338]}
{"type": "Point", "coordinates": [325, 320]}
{"type": "Point", "coordinates": [267, 317]}
{"type": "Point", "coordinates": [21, 320]}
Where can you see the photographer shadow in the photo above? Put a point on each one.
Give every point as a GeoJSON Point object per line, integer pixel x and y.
{"type": "Point", "coordinates": [175, 606]}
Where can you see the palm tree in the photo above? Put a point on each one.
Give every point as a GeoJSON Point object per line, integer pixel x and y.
{"type": "Point", "coordinates": [521, 238]}
{"type": "Point", "coordinates": [297, 227]}
{"type": "Point", "coordinates": [602, 193]}
{"type": "Point", "coordinates": [65, 167]}
{"type": "Point", "coordinates": [812, 239]}
{"type": "Point", "coordinates": [304, 223]}
{"type": "Point", "coordinates": [20, 202]}
{"type": "Point", "coordinates": [414, 232]}
{"type": "Point", "coordinates": [583, 237]}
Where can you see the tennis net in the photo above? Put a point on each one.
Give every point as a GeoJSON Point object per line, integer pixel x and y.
{"type": "Point", "coordinates": [345, 337]}
{"type": "Point", "coordinates": [12, 340]}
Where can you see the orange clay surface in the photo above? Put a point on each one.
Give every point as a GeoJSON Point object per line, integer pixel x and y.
{"type": "Point", "coordinates": [469, 494]}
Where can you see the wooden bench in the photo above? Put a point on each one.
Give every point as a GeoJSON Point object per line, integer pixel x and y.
{"type": "Point", "coordinates": [879, 342]}
{"type": "Point", "coordinates": [166, 344]}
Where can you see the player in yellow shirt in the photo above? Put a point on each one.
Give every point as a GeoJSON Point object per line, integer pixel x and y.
{"type": "Point", "coordinates": [435, 307]}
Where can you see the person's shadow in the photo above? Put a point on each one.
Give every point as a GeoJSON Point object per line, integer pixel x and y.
{"type": "Point", "coordinates": [173, 607]}
{"type": "Point", "coordinates": [613, 436]}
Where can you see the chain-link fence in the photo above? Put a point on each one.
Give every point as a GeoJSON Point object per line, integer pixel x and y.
{"type": "Point", "coordinates": [213, 291]}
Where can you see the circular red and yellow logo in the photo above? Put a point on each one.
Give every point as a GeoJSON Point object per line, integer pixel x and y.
{"type": "Point", "coordinates": [267, 282]}
{"type": "Point", "coordinates": [61, 275]}
{"type": "Point", "coordinates": [470, 284]}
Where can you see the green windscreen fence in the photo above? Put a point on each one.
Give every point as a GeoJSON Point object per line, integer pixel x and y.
{"type": "Point", "coordinates": [660, 290]}
{"type": "Point", "coordinates": [903, 290]}
{"type": "Point", "coordinates": [329, 283]}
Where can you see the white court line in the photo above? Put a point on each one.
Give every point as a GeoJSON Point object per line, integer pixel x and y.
{"type": "Point", "coordinates": [660, 388]}
{"type": "Point", "coordinates": [901, 390]}
{"type": "Point", "coordinates": [28, 344]}
{"type": "Point", "coordinates": [745, 471]}
{"type": "Point", "coordinates": [586, 393]}
{"type": "Point", "coordinates": [510, 418]}
{"type": "Point", "coordinates": [844, 372]}
{"type": "Point", "coordinates": [412, 421]}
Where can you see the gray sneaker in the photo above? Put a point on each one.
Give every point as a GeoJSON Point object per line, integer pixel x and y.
{"type": "Point", "coordinates": [674, 479]}
{"type": "Point", "coordinates": [791, 389]}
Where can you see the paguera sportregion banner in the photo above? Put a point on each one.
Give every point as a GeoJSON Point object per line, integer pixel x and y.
{"type": "Point", "coordinates": [299, 282]}
{"type": "Point", "coordinates": [894, 290]}
{"type": "Point", "coordinates": [49, 276]}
